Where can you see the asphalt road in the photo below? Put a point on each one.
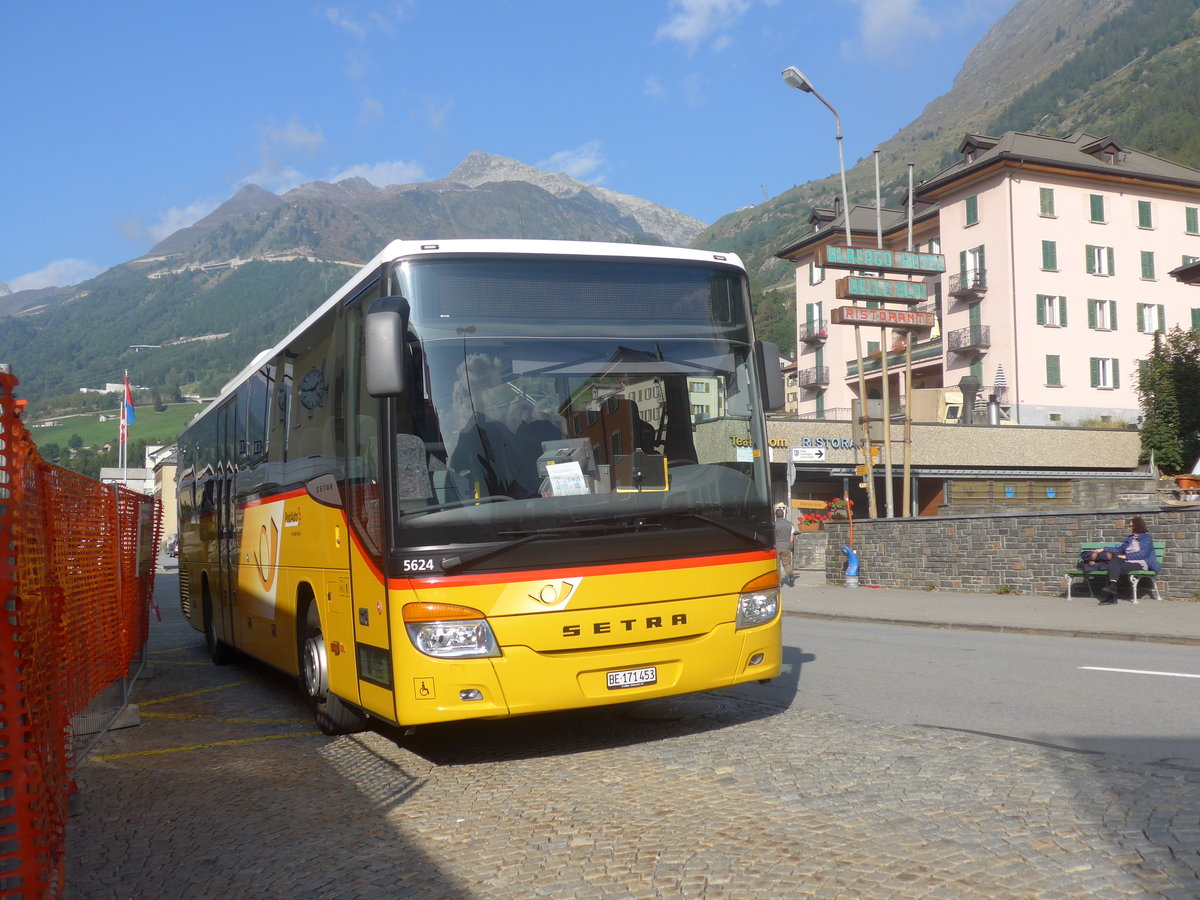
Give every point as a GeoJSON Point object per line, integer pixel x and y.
{"type": "Point", "coordinates": [1135, 700]}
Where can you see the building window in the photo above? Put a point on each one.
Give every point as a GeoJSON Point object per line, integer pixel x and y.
{"type": "Point", "coordinates": [1102, 315]}
{"type": "Point", "coordinates": [973, 210]}
{"type": "Point", "coordinates": [1196, 318]}
{"type": "Point", "coordinates": [1145, 214]}
{"type": "Point", "coordinates": [1055, 418]}
{"type": "Point", "coordinates": [816, 274]}
{"type": "Point", "coordinates": [1191, 215]}
{"type": "Point", "coordinates": [1051, 311]}
{"type": "Point", "coordinates": [1100, 260]}
{"type": "Point", "coordinates": [1046, 202]}
{"type": "Point", "coordinates": [698, 387]}
{"type": "Point", "coordinates": [1053, 371]}
{"type": "Point", "coordinates": [1150, 318]}
{"type": "Point", "coordinates": [1148, 265]}
{"type": "Point", "coordinates": [1050, 256]}
{"type": "Point", "coordinates": [1096, 207]}
{"type": "Point", "coordinates": [1105, 373]}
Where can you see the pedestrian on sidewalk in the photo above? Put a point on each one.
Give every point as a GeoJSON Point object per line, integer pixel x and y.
{"type": "Point", "coordinates": [785, 531]}
{"type": "Point", "coordinates": [1133, 554]}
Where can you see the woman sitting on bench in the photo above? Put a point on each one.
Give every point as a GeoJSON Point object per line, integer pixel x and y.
{"type": "Point", "coordinates": [1134, 554]}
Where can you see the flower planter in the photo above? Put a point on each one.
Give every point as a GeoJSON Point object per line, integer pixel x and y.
{"type": "Point", "coordinates": [1187, 482]}
{"type": "Point", "coordinates": [809, 526]}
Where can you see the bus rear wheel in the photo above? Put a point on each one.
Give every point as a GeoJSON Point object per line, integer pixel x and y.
{"type": "Point", "coordinates": [333, 716]}
{"type": "Point", "coordinates": [218, 651]}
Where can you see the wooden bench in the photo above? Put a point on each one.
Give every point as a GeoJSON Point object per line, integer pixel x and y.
{"type": "Point", "coordinates": [1135, 577]}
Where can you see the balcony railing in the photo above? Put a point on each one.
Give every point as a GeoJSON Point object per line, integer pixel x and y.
{"type": "Point", "coordinates": [968, 285]}
{"type": "Point", "coordinates": [814, 332]}
{"type": "Point", "coordinates": [973, 337]}
{"type": "Point", "coordinates": [817, 376]}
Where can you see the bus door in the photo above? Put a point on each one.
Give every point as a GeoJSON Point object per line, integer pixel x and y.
{"type": "Point", "coordinates": [227, 523]}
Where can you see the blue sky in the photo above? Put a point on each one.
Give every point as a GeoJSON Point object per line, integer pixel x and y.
{"type": "Point", "coordinates": [123, 122]}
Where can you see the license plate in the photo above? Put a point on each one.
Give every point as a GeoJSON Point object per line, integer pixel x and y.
{"type": "Point", "coordinates": [632, 678]}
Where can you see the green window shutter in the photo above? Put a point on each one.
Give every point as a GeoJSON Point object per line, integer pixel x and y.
{"type": "Point", "coordinates": [1112, 261]}
{"type": "Point", "coordinates": [1049, 255]}
{"type": "Point", "coordinates": [1162, 318]}
{"type": "Point", "coordinates": [1095, 364]}
{"type": "Point", "coordinates": [1141, 317]}
{"type": "Point", "coordinates": [1046, 200]}
{"type": "Point", "coordinates": [982, 273]}
{"type": "Point", "coordinates": [962, 264]}
{"type": "Point", "coordinates": [821, 405]}
{"type": "Point", "coordinates": [1196, 318]}
{"type": "Point", "coordinates": [977, 367]}
{"type": "Point", "coordinates": [1192, 215]}
{"type": "Point", "coordinates": [1145, 219]}
{"type": "Point", "coordinates": [1112, 313]}
{"type": "Point", "coordinates": [1041, 309]}
{"type": "Point", "coordinates": [872, 346]}
{"type": "Point", "coordinates": [1092, 313]}
{"type": "Point", "coordinates": [1053, 371]}
{"type": "Point", "coordinates": [974, 315]}
{"type": "Point", "coordinates": [810, 314]}
{"type": "Point", "coordinates": [972, 210]}
{"type": "Point", "coordinates": [1116, 373]}
{"type": "Point", "coordinates": [1147, 263]}
{"type": "Point", "coordinates": [1097, 201]}
{"type": "Point", "coordinates": [1062, 311]}
{"type": "Point", "coordinates": [1091, 259]}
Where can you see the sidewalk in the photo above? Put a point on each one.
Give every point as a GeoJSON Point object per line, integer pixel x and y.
{"type": "Point", "coordinates": [1164, 621]}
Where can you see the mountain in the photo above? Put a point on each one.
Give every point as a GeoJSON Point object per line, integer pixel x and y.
{"type": "Point", "coordinates": [485, 196]}
{"type": "Point", "coordinates": [1120, 67]}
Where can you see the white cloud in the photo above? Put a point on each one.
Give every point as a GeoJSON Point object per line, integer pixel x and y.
{"type": "Point", "coordinates": [695, 21]}
{"type": "Point", "coordinates": [343, 21]}
{"type": "Point", "coordinates": [653, 87]}
{"type": "Point", "coordinates": [280, 148]}
{"type": "Point", "coordinates": [61, 273]}
{"type": "Point", "coordinates": [584, 163]}
{"type": "Point", "coordinates": [179, 217]}
{"type": "Point", "coordinates": [384, 173]}
{"type": "Point", "coordinates": [293, 135]}
{"type": "Point", "coordinates": [886, 25]}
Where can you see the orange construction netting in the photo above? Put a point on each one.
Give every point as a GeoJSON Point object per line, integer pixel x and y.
{"type": "Point", "coordinates": [77, 581]}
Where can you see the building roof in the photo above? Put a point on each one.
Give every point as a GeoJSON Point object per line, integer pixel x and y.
{"type": "Point", "coordinates": [1102, 157]}
{"type": "Point", "coordinates": [827, 223]}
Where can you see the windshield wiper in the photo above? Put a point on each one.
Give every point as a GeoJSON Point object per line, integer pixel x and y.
{"type": "Point", "coordinates": [453, 504]}
{"type": "Point", "coordinates": [449, 563]}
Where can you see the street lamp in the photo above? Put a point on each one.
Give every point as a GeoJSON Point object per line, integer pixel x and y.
{"type": "Point", "coordinates": [795, 78]}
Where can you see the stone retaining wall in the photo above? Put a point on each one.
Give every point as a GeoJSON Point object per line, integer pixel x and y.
{"type": "Point", "coordinates": [1024, 554]}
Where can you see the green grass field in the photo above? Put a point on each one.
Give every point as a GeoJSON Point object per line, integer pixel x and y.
{"type": "Point", "coordinates": [148, 425]}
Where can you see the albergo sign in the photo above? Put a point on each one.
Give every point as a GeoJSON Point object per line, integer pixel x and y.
{"type": "Point", "coordinates": [904, 262]}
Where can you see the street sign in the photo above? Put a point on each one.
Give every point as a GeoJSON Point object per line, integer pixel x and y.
{"type": "Point", "coordinates": [888, 318]}
{"type": "Point", "coordinates": [856, 287]}
{"type": "Point", "coordinates": [835, 257]}
{"type": "Point", "coordinates": [808, 454]}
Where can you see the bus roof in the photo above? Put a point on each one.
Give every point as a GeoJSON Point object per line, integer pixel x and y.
{"type": "Point", "coordinates": [402, 249]}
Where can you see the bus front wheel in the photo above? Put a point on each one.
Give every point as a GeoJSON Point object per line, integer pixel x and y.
{"type": "Point", "coordinates": [332, 715]}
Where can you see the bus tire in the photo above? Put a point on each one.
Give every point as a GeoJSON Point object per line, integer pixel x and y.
{"type": "Point", "coordinates": [218, 651]}
{"type": "Point", "coordinates": [333, 715]}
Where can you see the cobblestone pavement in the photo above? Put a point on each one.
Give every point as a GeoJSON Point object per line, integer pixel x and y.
{"type": "Point", "coordinates": [226, 790]}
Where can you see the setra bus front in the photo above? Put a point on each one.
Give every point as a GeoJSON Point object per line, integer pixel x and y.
{"type": "Point", "coordinates": [571, 492]}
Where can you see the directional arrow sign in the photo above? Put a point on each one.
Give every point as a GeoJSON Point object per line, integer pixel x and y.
{"type": "Point", "coordinates": [808, 454]}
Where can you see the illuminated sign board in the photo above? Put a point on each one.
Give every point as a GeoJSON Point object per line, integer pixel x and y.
{"type": "Point", "coordinates": [902, 261]}
{"type": "Point", "coordinates": [857, 287]}
{"type": "Point", "coordinates": [885, 318]}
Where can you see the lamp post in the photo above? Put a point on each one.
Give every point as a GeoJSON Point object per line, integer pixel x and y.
{"type": "Point", "coordinates": [793, 77]}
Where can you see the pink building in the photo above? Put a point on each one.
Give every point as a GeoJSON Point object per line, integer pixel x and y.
{"type": "Point", "coordinates": [1058, 254]}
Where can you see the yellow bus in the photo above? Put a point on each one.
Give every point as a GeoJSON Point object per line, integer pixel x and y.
{"type": "Point", "coordinates": [490, 478]}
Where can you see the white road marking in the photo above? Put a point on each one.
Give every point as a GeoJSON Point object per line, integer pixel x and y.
{"type": "Point", "coordinates": [1140, 672]}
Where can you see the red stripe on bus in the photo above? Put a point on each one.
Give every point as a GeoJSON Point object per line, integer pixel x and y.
{"type": "Point", "coordinates": [509, 577]}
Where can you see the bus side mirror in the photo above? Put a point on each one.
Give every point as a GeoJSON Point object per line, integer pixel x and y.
{"type": "Point", "coordinates": [383, 332]}
{"type": "Point", "coordinates": [770, 376]}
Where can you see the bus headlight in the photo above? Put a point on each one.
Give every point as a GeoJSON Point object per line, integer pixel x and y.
{"type": "Point", "coordinates": [449, 632]}
{"type": "Point", "coordinates": [758, 603]}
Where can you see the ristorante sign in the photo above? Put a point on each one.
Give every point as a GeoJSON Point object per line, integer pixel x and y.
{"type": "Point", "coordinates": [886, 318]}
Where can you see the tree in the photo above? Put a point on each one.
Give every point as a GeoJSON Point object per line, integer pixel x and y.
{"type": "Point", "coordinates": [1169, 390]}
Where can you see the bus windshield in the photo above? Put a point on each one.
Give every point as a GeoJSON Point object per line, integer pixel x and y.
{"type": "Point", "coordinates": [564, 400]}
